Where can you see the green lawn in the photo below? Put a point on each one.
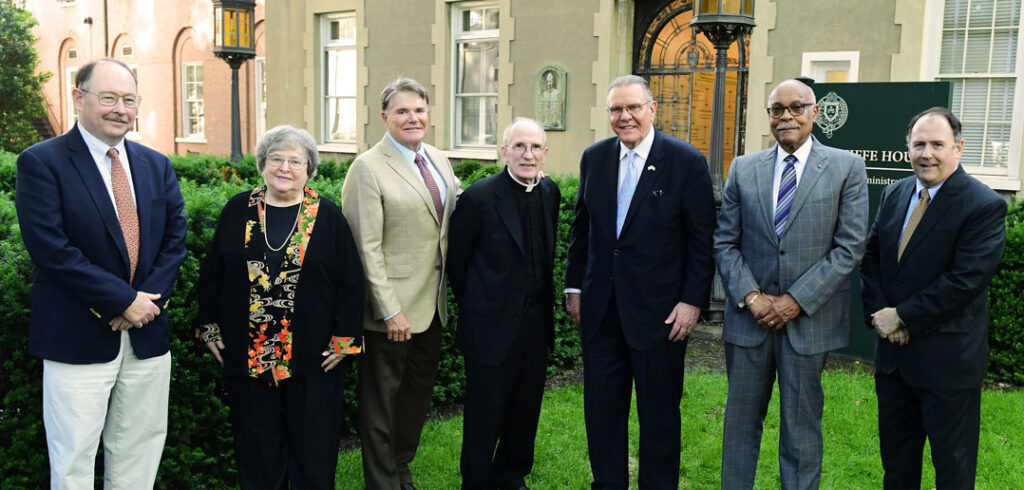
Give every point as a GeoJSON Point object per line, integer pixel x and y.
{"type": "Point", "coordinates": [851, 441]}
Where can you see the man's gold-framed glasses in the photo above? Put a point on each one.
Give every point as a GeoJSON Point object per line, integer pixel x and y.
{"type": "Point", "coordinates": [275, 161]}
{"type": "Point", "coordinates": [634, 109]}
{"type": "Point", "coordinates": [109, 99]}
{"type": "Point", "coordinates": [796, 109]}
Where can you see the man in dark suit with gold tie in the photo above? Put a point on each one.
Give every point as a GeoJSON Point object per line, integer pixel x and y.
{"type": "Point", "coordinates": [933, 249]}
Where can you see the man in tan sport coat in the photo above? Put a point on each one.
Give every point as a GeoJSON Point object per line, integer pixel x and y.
{"type": "Point", "coordinates": [397, 199]}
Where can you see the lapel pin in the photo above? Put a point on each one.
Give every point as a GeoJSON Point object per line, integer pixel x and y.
{"type": "Point", "coordinates": [650, 168]}
{"type": "Point", "coordinates": [658, 193]}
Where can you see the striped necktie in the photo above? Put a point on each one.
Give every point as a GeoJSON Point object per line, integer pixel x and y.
{"type": "Point", "coordinates": [435, 193]}
{"type": "Point", "coordinates": [787, 189]}
{"type": "Point", "coordinates": [915, 219]}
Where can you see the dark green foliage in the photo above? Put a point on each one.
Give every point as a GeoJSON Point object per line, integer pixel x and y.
{"type": "Point", "coordinates": [8, 169]}
{"type": "Point", "coordinates": [1006, 304]}
{"type": "Point", "coordinates": [22, 99]}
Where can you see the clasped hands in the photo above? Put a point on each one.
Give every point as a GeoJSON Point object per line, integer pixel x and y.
{"type": "Point", "coordinates": [888, 325]}
{"type": "Point", "coordinates": [142, 311]}
{"type": "Point", "coordinates": [772, 312]}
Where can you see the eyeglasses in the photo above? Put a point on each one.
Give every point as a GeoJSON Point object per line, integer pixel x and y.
{"type": "Point", "coordinates": [796, 109]}
{"type": "Point", "coordinates": [109, 99]}
{"type": "Point", "coordinates": [634, 109]}
{"type": "Point", "coordinates": [275, 161]}
{"type": "Point", "coordinates": [520, 148]}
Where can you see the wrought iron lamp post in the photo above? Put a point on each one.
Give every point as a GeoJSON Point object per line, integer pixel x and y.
{"type": "Point", "coordinates": [722, 22]}
{"type": "Point", "coordinates": [234, 43]}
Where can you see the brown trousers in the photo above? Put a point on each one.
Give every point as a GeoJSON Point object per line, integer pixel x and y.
{"type": "Point", "coordinates": [396, 384]}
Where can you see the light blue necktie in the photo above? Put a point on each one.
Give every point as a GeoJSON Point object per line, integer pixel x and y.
{"type": "Point", "coordinates": [627, 189]}
{"type": "Point", "coordinates": [787, 189]}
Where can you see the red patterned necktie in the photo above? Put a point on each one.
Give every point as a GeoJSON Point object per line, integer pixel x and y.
{"type": "Point", "coordinates": [435, 194]}
{"type": "Point", "coordinates": [125, 210]}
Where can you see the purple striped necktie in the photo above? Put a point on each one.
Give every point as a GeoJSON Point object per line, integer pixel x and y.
{"type": "Point", "coordinates": [787, 189]}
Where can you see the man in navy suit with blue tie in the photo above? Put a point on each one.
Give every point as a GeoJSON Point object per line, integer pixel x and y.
{"type": "Point", "coordinates": [104, 223]}
{"type": "Point", "coordinates": [639, 272]}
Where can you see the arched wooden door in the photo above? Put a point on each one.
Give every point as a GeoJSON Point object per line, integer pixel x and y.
{"type": "Point", "coordinates": [679, 64]}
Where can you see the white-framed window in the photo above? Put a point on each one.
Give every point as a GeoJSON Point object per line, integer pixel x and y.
{"type": "Point", "coordinates": [261, 97]}
{"type": "Point", "coordinates": [475, 75]}
{"type": "Point", "coordinates": [979, 55]}
{"type": "Point", "coordinates": [65, 3]}
{"type": "Point", "coordinates": [72, 113]}
{"type": "Point", "coordinates": [831, 66]}
{"type": "Point", "coordinates": [193, 118]}
{"type": "Point", "coordinates": [338, 58]}
{"type": "Point", "coordinates": [133, 134]}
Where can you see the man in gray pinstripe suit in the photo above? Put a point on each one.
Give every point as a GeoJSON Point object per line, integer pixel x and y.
{"type": "Point", "coordinates": [792, 229]}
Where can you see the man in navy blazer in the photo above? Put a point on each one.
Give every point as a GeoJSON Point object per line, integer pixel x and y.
{"type": "Point", "coordinates": [639, 271]}
{"type": "Point", "coordinates": [104, 223]}
{"type": "Point", "coordinates": [935, 245]}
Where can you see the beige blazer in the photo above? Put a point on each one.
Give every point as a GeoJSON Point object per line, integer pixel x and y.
{"type": "Point", "coordinates": [402, 243]}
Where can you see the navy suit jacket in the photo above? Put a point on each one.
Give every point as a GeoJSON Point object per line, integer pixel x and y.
{"type": "Point", "coordinates": [662, 256]}
{"type": "Point", "coordinates": [939, 287]}
{"type": "Point", "coordinates": [487, 266]}
{"type": "Point", "coordinates": [71, 231]}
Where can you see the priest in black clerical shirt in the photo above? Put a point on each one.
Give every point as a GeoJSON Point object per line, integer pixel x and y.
{"type": "Point", "coordinates": [500, 264]}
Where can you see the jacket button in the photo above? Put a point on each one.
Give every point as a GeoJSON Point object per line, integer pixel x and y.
{"type": "Point", "coordinates": [615, 251]}
{"type": "Point", "coordinates": [437, 267]}
{"type": "Point", "coordinates": [782, 252]}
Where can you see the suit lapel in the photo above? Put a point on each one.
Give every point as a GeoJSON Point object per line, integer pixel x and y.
{"type": "Point", "coordinates": [649, 174]}
{"type": "Point", "coordinates": [82, 160]}
{"type": "Point", "coordinates": [141, 175]}
{"type": "Point", "coordinates": [935, 209]}
{"type": "Point", "coordinates": [398, 163]}
{"type": "Point", "coordinates": [505, 202]}
{"type": "Point", "coordinates": [814, 167]}
{"type": "Point", "coordinates": [764, 172]}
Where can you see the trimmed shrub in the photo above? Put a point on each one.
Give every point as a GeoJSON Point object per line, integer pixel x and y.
{"type": "Point", "coordinates": [1006, 305]}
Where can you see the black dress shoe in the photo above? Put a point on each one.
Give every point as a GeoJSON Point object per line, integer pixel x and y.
{"type": "Point", "coordinates": [408, 486]}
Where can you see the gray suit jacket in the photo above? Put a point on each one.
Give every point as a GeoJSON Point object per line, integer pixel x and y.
{"type": "Point", "coordinates": [820, 247]}
{"type": "Point", "coordinates": [402, 241]}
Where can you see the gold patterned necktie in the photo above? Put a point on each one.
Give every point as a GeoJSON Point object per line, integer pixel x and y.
{"type": "Point", "coordinates": [126, 213]}
{"type": "Point", "coordinates": [915, 218]}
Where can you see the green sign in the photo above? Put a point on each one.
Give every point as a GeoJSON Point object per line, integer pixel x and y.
{"type": "Point", "coordinates": [870, 119]}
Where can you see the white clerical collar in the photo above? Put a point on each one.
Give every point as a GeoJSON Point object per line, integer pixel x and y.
{"type": "Point", "coordinates": [529, 187]}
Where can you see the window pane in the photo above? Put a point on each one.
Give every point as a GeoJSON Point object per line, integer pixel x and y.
{"type": "Point", "coordinates": [1007, 13]}
{"type": "Point", "coordinates": [975, 100]}
{"type": "Point", "coordinates": [478, 116]}
{"type": "Point", "coordinates": [956, 14]}
{"type": "Point", "coordinates": [340, 71]}
{"type": "Point", "coordinates": [1000, 104]}
{"type": "Point", "coordinates": [978, 44]}
{"type": "Point", "coordinates": [981, 13]}
{"type": "Point", "coordinates": [342, 122]}
{"type": "Point", "coordinates": [478, 67]}
{"type": "Point", "coordinates": [951, 59]}
{"type": "Point", "coordinates": [491, 19]}
{"type": "Point", "coordinates": [973, 136]}
{"type": "Point", "coordinates": [348, 29]}
{"type": "Point", "coordinates": [1004, 51]}
{"type": "Point", "coordinates": [997, 145]}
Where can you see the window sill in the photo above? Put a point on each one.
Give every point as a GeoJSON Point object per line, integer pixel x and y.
{"type": "Point", "coordinates": [472, 154]}
{"type": "Point", "coordinates": [999, 183]}
{"type": "Point", "coordinates": [191, 139]}
{"type": "Point", "coordinates": [338, 148]}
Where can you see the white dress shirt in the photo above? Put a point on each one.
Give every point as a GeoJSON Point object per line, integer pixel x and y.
{"type": "Point", "coordinates": [98, 150]}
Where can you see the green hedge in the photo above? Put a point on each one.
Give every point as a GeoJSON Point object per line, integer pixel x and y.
{"type": "Point", "coordinates": [1006, 304]}
{"type": "Point", "coordinates": [198, 452]}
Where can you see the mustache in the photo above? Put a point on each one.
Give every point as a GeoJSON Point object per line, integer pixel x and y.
{"type": "Point", "coordinates": [113, 117]}
{"type": "Point", "coordinates": [787, 126]}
